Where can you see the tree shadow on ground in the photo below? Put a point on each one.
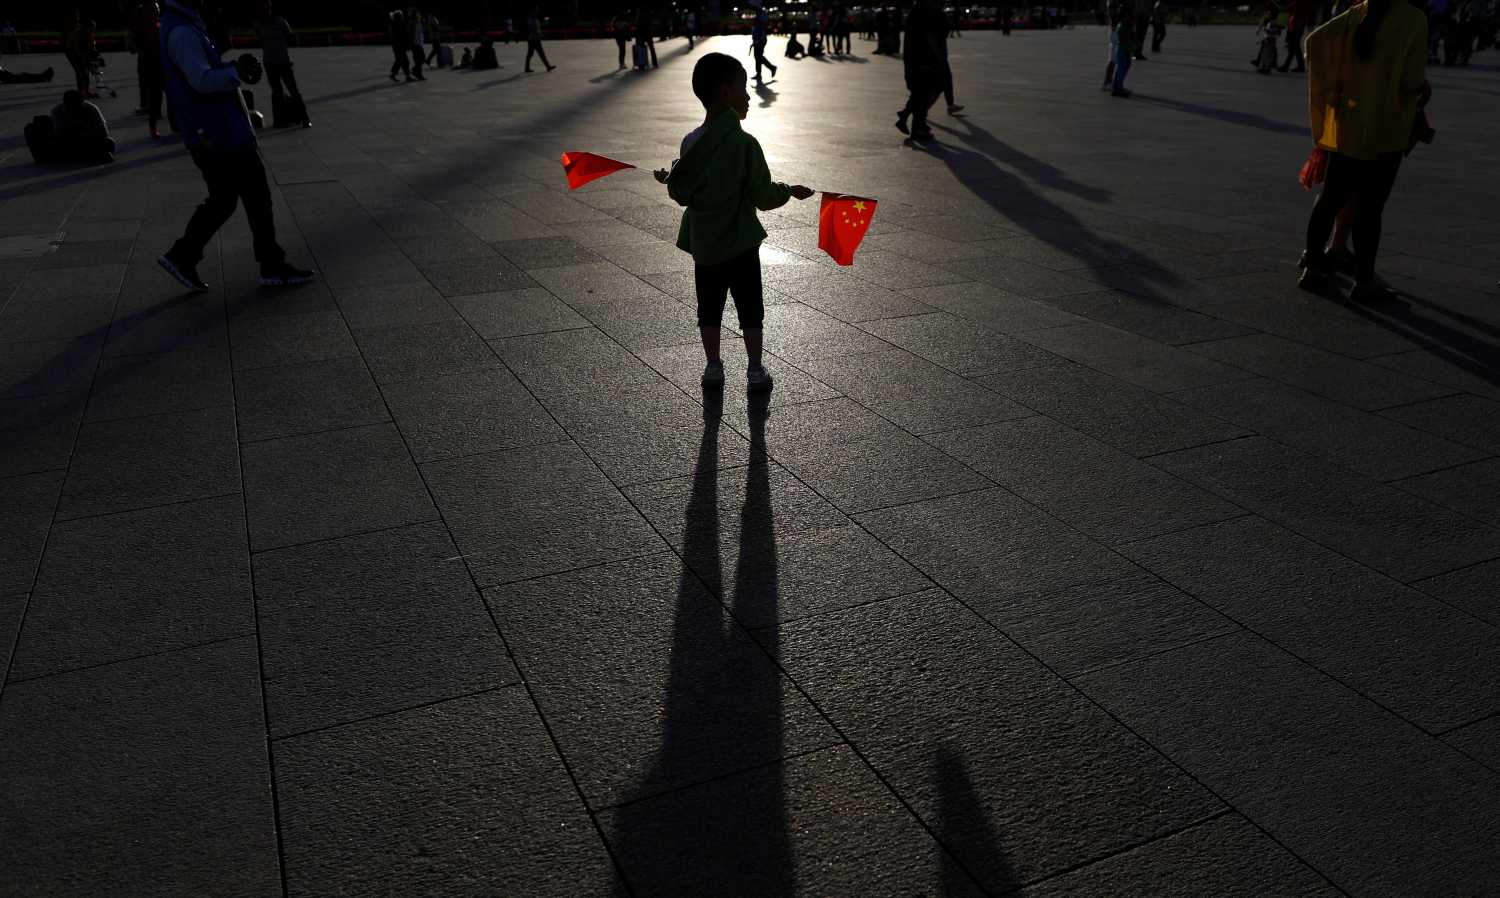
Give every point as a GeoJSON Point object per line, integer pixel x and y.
{"type": "Point", "coordinates": [739, 847]}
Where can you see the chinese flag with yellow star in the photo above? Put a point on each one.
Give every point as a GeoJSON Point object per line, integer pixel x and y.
{"type": "Point", "coordinates": [842, 223]}
{"type": "Point", "coordinates": [582, 168]}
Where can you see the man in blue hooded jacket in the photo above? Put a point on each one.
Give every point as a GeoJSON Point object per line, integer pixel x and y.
{"type": "Point", "coordinates": [204, 93]}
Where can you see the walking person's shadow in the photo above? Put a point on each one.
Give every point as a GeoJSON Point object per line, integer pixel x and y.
{"type": "Point", "coordinates": [722, 707]}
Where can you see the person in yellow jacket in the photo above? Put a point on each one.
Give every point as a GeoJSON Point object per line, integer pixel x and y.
{"type": "Point", "coordinates": [1367, 71]}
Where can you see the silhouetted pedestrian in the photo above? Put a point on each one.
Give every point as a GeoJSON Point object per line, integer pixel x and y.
{"type": "Point", "coordinates": [276, 38]}
{"type": "Point", "coordinates": [205, 96]}
{"type": "Point", "coordinates": [925, 66]}
{"type": "Point", "coordinates": [1372, 56]}
{"type": "Point", "coordinates": [644, 37]}
{"type": "Point", "coordinates": [145, 28]}
{"type": "Point", "coordinates": [534, 39]}
{"type": "Point", "coordinates": [758, 44]}
{"type": "Point", "coordinates": [400, 46]}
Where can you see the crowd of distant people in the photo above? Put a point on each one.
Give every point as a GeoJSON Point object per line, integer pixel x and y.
{"type": "Point", "coordinates": [185, 81]}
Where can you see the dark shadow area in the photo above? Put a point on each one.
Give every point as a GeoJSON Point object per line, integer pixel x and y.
{"type": "Point", "coordinates": [1420, 320]}
{"type": "Point", "coordinates": [1230, 116]}
{"type": "Point", "coordinates": [766, 94]}
{"type": "Point", "coordinates": [498, 81]}
{"type": "Point", "coordinates": [69, 175]}
{"type": "Point", "coordinates": [860, 60]}
{"type": "Point", "coordinates": [963, 825]}
{"type": "Point", "coordinates": [207, 313]}
{"type": "Point", "coordinates": [722, 698]}
{"type": "Point", "coordinates": [1247, 70]}
{"type": "Point", "coordinates": [382, 84]}
{"type": "Point", "coordinates": [973, 164]}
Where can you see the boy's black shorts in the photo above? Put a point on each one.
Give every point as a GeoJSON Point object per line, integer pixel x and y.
{"type": "Point", "coordinates": [739, 276]}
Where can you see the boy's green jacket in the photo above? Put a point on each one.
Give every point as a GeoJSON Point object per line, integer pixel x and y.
{"type": "Point", "coordinates": [722, 180]}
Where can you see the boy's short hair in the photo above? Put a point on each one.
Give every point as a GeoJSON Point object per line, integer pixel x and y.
{"type": "Point", "coordinates": [713, 71]}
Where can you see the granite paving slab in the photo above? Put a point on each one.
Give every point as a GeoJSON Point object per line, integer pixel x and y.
{"type": "Point", "coordinates": [371, 624]}
{"type": "Point", "coordinates": [959, 345]}
{"type": "Point", "coordinates": [1150, 318]}
{"type": "Point", "coordinates": [1341, 782]}
{"type": "Point", "coordinates": [1480, 741]}
{"type": "Point", "coordinates": [912, 393]}
{"type": "Point", "coordinates": [1376, 524]}
{"type": "Point", "coordinates": [29, 501]}
{"type": "Point", "coordinates": [817, 824]}
{"type": "Point", "coordinates": [1360, 441]}
{"type": "Point", "coordinates": [991, 543]}
{"type": "Point", "coordinates": [533, 511]}
{"type": "Point", "coordinates": [134, 386]}
{"type": "Point", "coordinates": [484, 805]}
{"type": "Point", "coordinates": [1462, 418]}
{"type": "Point", "coordinates": [679, 693]}
{"type": "Point", "coordinates": [1012, 737]}
{"type": "Point", "coordinates": [993, 308]}
{"type": "Point", "coordinates": [51, 366]}
{"type": "Point", "coordinates": [1227, 856]}
{"type": "Point", "coordinates": [1342, 379]}
{"type": "Point", "coordinates": [306, 398]}
{"type": "Point", "coordinates": [139, 583]}
{"type": "Point", "coordinates": [1120, 414]}
{"type": "Point", "coordinates": [317, 486]}
{"type": "Point", "coordinates": [513, 313]}
{"type": "Point", "coordinates": [1417, 657]}
{"type": "Point", "coordinates": [143, 462]}
{"type": "Point", "coordinates": [464, 414]}
{"type": "Point", "coordinates": [1133, 358]}
{"type": "Point", "coordinates": [859, 461]}
{"type": "Point", "coordinates": [1105, 493]}
{"type": "Point", "coordinates": [392, 305]}
{"type": "Point", "coordinates": [1473, 489]}
{"type": "Point", "coordinates": [157, 764]}
{"type": "Point", "coordinates": [1475, 589]}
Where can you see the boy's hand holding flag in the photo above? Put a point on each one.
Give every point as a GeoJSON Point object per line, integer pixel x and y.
{"type": "Point", "coordinates": [842, 221]}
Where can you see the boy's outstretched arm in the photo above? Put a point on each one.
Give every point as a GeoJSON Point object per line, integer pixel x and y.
{"type": "Point", "coordinates": [765, 194]}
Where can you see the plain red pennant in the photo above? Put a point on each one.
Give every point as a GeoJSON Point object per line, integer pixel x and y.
{"type": "Point", "coordinates": [582, 168]}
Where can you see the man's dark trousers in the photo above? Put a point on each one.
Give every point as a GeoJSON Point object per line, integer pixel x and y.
{"type": "Point", "coordinates": [233, 176]}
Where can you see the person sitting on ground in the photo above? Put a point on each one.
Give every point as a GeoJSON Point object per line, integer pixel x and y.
{"type": "Point", "coordinates": [722, 179]}
{"type": "Point", "coordinates": [467, 60]}
{"type": "Point", "coordinates": [484, 57]}
{"type": "Point", "coordinates": [9, 77]}
{"type": "Point", "coordinates": [74, 132]}
{"type": "Point", "coordinates": [794, 48]}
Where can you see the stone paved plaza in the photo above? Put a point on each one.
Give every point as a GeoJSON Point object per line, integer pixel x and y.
{"type": "Point", "coordinates": [1076, 551]}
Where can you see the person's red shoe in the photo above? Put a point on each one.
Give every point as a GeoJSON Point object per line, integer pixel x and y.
{"type": "Point", "coordinates": [155, 134]}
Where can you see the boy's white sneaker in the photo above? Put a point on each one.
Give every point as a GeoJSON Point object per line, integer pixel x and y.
{"type": "Point", "coordinates": [757, 380]}
{"type": "Point", "coordinates": [713, 374]}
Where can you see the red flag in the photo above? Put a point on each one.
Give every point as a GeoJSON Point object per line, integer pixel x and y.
{"type": "Point", "coordinates": [842, 223]}
{"type": "Point", "coordinates": [585, 167]}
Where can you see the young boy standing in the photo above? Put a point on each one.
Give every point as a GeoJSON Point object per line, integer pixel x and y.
{"type": "Point", "coordinates": [722, 179]}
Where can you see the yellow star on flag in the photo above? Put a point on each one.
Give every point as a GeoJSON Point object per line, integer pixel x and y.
{"type": "Point", "coordinates": [859, 206]}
